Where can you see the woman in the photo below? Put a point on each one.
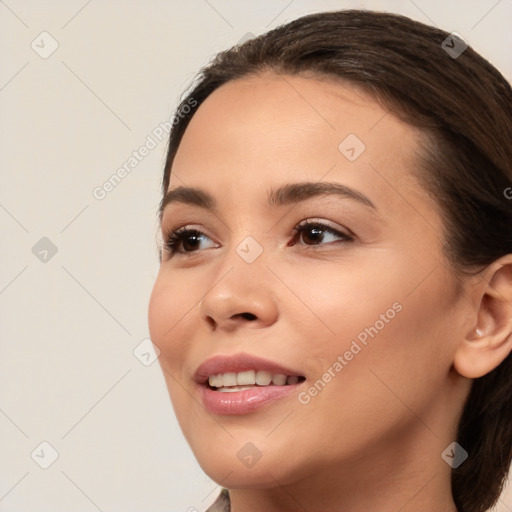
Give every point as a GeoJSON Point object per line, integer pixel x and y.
{"type": "Point", "coordinates": [334, 301]}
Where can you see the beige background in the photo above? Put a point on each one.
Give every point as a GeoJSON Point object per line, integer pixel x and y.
{"type": "Point", "coordinates": [70, 323]}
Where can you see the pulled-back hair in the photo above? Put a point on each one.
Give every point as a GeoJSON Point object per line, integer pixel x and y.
{"type": "Point", "coordinates": [463, 106]}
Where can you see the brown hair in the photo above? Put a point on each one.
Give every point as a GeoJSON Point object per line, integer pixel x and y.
{"type": "Point", "coordinates": [463, 105]}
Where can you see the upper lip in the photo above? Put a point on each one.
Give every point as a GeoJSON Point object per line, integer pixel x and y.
{"type": "Point", "coordinates": [238, 363]}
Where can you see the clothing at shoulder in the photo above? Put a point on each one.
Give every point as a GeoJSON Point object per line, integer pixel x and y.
{"type": "Point", "coordinates": [222, 503]}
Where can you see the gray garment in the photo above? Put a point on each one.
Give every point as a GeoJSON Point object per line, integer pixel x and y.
{"type": "Point", "coordinates": [222, 503]}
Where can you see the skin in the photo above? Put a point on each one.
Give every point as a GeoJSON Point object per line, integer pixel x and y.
{"type": "Point", "coordinates": [372, 438]}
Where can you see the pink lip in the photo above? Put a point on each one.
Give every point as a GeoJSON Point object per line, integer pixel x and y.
{"type": "Point", "coordinates": [241, 402]}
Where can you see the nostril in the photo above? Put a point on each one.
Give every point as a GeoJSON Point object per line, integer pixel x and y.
{"type": "Point", "coordinates": [248, 316]}
{"type": "Point", "coordinates": [211, 322]}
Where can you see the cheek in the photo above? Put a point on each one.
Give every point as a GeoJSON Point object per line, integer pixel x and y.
{"type": "Point", "coordinates": [396, 377]}
{"type": "Point", "coordinates": [332, 306]}
{"type": "Point", "coordinates": [168, 323]}
{"type": "Point", "coordinates": [169, 317]}
{"type": "Point", "coordinates": [395, 352]}
{"type": "Point", "coordinates": [380, 338]}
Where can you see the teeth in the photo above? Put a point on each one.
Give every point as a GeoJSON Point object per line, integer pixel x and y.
{"type": "Point", "coordinates": [279, 379]}
{"type": "Point", "coordinates": [216, 381]}
{"type": "Point", "coordinates": [249, 378]}
{"type": "Point", "coordinates": [263, 378]}
{"type": "Point", "coordinates": [229, 379]}
{"type": "Point", "coordinates": [234, 388]}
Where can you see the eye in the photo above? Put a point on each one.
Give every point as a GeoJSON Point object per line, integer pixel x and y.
{"type": "Point", "coordinates": [187, 237]}
{"type": "Point", "coordinates": [315, 231]}
{"type": "Point", "coordinates": [185, 240]}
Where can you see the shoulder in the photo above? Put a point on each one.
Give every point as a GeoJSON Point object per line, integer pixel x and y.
{"type": "Point", "coordinates": [222, 503]}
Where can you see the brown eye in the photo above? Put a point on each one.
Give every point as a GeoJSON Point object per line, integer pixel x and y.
{"type": "Point", "coordinates": [189, 239]}
{"type": "Point", "coordinates": [314, 233]}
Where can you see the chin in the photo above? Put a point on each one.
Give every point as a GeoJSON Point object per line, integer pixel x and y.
{"type": "Point", "coordinates": [238, 464]}
{"type": "Point", "coordinates": [231, 475]}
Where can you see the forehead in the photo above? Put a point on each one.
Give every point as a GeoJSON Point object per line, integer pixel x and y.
{"type": "Point", "coordinates": [271, 129]}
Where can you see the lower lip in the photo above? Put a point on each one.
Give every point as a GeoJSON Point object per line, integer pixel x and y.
{"type": "Point", "coordinates": [243, 402]}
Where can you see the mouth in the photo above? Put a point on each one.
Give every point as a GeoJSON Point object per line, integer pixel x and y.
{"type": "Point", "coordinates": [250, 379]}
{"type": "Point", "coordinates": [241, 383]}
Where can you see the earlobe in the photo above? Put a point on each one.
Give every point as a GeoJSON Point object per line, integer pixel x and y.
{"type": "Point", "coordinates": [489, 341]}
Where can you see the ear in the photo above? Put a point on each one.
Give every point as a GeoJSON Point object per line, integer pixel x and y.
{"type": "Point", "coordinates": [489, 341]}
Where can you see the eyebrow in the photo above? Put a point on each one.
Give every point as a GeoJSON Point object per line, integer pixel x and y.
{"type": "Point", "coordinates": [284, 195]}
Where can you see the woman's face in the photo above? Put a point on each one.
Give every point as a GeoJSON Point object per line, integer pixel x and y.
{"type": "Point", "coordinates": [357, 309]}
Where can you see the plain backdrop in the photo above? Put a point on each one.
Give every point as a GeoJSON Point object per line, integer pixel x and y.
{"type": "Point", "coordinates": [82, 86]}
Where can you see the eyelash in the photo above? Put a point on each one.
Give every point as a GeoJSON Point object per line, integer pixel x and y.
{"type": "Point", "coordinates": [175, 237]}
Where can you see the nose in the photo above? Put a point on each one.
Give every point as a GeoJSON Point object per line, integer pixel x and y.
{"type": "Point", "coordinates": [242, 297]}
